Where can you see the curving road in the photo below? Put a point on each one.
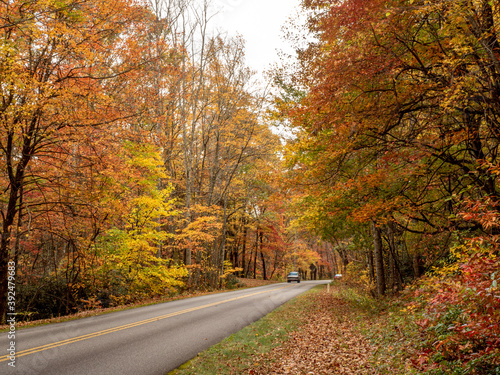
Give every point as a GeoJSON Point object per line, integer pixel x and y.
{"type": "Point", "coordinates": [147, 340]}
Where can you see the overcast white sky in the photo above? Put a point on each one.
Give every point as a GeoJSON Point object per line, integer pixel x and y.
{"type": "Point", "coordinates": [259, 22]}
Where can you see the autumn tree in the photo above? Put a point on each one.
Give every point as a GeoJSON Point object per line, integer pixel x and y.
{"type": "Point", "coordinates": [64, 69]}
{"type": "Point", "coordinates": [395, 106]}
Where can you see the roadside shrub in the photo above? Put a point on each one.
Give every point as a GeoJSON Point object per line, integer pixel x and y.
{"type": "Point", "coordinates": [46, 298]}
{"type": "Point", "coordinates": [232, 282]}
{"type": "Point", "coordinates": [461, 317]}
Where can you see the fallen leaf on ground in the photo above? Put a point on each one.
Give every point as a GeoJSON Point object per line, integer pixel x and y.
{"type": "Point", "coordinates": [327, 344]}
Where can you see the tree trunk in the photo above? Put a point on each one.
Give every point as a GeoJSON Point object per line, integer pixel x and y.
{"type": "Point", "coordinates": [223, 243]}
{"type": "Point", "coordinates": [371, 269]}
{"type": "Point", "coordinates": [16, 180]}
{"type": "Point", "coordinates": [256, 252]}
{"type": "Point", "coordinates": [244, 249]}
{"type": "Point", "coordinates": [417, 265]}
{"type": "Point", "coordinates": [264, 275]}
{"type": "Point", "coordinates": [379, 260]}
{"type": "Point", "coordinates": [396, 279]}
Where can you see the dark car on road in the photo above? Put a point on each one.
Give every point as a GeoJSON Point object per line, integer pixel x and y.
{"type": "Point", "coordinates": [293, 276]}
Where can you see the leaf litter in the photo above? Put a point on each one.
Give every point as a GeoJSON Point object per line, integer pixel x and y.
{"type": "Point", "coordinates": [328, 343]}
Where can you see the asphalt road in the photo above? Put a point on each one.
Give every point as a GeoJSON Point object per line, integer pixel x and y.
{"type": "Point", "coordinates": [143, 341]}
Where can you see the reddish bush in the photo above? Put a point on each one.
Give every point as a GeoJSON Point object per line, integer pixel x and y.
{"type": "Point", "coordinates": [461, 320]}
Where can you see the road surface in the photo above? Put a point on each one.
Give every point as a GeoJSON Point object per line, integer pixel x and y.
{"type": "Point", "coordinates": [148, 340]}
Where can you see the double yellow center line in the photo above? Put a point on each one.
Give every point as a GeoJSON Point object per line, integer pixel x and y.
{"type": "Point", "coordinates": [126, 326]}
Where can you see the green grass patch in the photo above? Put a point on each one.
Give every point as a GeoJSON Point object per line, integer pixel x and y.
{"type": "Point", "coordinates": [241, 350]}
{"type": "Point", "coordinates": [359, 300]}
{"type": "Point", "coordinates": [396, 336]}
{"type": "Point", "coordinates": [389, 326]}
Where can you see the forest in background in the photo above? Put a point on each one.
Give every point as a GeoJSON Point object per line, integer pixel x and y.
{"type": "Point", "coordinates": [139, 157]}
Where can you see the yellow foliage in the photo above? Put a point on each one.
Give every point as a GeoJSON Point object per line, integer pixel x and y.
{"type": "Point", "coordinates": [229, 269]}
{"type": "Point", "coordinates": [459, 255]}
{"type": "Point", "coordinates": [357, 273]}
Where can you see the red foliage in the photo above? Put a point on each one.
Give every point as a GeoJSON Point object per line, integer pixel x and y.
{"type": "Point", "coordinates": [461, 324]}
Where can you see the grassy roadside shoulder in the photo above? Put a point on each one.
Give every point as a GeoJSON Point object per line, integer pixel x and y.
{"type": "Point", "coordinates": [240, 351]}
{"type": "Point", "coordinates": [391, 330]}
